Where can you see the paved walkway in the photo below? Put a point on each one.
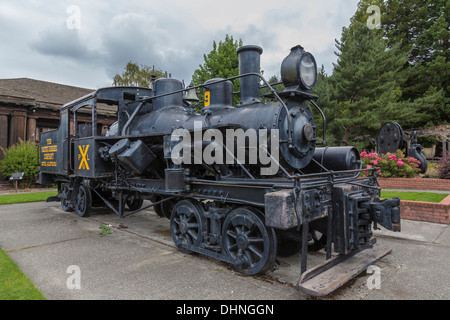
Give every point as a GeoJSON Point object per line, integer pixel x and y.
{"type": "Point", "coordinates": [139, 261]}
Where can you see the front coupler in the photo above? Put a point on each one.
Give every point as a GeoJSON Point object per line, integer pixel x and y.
{"type": "Point", "coordinates": [354, 209]}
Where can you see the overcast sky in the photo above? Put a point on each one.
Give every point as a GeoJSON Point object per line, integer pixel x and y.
{"type": "Point", "coordinates": [85, 43]}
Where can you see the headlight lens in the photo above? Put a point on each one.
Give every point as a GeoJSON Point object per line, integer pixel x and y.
{"type": "Point", "coordinates": [308, 70]}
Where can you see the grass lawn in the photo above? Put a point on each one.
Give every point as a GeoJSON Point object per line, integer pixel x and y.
{"type": "Point", "coordinates": [414, 196]}
{"type": "Point", "coordinates": [14, 284]}
{"type": "Point", "coordinates": [26, 197]}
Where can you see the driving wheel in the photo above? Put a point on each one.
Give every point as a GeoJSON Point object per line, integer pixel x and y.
{"type": "Point", "coordinates": [248, 242]}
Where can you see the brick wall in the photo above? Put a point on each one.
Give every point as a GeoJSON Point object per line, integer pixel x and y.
{"type": "Point", "coordinates": [414, 183]}
{"type": "Point", "coordinates": [426, 211]}
{"type": "Point", "coordinates": [421, 211]}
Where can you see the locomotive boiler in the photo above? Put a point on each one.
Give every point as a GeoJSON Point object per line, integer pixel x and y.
{"type": "Point", "coordinates": [241, 183]}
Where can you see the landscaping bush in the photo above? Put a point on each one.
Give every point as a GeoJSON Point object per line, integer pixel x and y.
{"type": "Point", "coordinates": [444, 166]}
{"type": "Point", "coordinates": [392, 165]}
{"type": "Point", "coordinates": [22, 157]}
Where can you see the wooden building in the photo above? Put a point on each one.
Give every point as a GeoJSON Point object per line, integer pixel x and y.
{"type": "Point", "coordinates": [29, 107]}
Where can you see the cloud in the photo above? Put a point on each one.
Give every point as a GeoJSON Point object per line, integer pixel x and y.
{"type": "Point", "coordinates": [64, 43]}
{"type": "Point", "coordinates": [172, 35]}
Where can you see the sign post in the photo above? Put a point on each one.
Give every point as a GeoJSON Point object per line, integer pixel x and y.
{"type": "Point", "coordinates": [16, 176]}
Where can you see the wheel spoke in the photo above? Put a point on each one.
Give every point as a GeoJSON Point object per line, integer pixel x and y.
{"type": "Point", "coordinates": [231, 234]}
{"type": "Point", "coordinates": [256, 251]}
{"type": "Point", "coordinates": [249, 258]}
{"type": "Point", "coordinates": [251, 230]}
{"type": "Point", "coordinates": [192, 234]}
{"type": "Point", "coordinates": [233, 247]}
{"type": "Point", "coordinates": [255, 240]}
{"type": "Point", "coordinates": [188, 238]}
{"type": "Point", "coordinates": [192, 225]}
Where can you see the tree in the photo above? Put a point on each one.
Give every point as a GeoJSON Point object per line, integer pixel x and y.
{"type": "Point", "coordinates": [421, 28]}
{"type": "Point", "coordinates": [21, 157]}
{"type": "Point", "coordinates": [323, 90]}
{"type": "Point", "coordinates": [221, 62]}
{"type": "Point", "coordinates": [365, 85]}
{"type": "Point", "coordinates": [135, 75]}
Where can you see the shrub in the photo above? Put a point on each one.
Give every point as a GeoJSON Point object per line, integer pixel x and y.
{"type": "Point", "coordinates": [444, 166]}
{"type": "Point", "coordinates": [394, 165]}
{"type": "Point", "coordinates": [432, 171]}
{"type": "Point", "coordinates": [22, 157]}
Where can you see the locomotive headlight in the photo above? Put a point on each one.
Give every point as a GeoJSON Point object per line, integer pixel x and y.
{"type": "Point", "coordinates": [308, 70]}
{"type": "Point", "coordinates": [299, 70]}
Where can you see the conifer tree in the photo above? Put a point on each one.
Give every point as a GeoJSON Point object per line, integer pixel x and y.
{"type": "Point", "coordinates": [366, 83]}
{"type": "Point", "coordinates": [422, 29]}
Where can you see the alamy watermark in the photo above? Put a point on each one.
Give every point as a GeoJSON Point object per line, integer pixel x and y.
{"type": "Point", "coordinates": [211, 147]}
{"type": "Point", "coordinates": [73, 21]}
{"type": "Point", "coordinates": [74, 280]}
{"type": "Point", "coordinates": [374, 281]}
{"type": "Point", "coordinates": [374, 20]}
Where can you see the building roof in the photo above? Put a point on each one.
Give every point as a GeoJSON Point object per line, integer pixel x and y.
{"type": "Point", "coordinates": [42, 94]}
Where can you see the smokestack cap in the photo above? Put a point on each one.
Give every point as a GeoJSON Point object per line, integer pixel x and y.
{"type": "Point", "coordinates": [249, 47]}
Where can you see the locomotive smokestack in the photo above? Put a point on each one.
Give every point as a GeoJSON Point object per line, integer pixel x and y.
{"type": "Point", "coordinates": [249, 62]}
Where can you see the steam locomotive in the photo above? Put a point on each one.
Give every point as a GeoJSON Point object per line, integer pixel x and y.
{"type": "Point", "coordinates": [241, 183]}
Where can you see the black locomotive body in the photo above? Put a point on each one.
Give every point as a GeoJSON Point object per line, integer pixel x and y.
{"type": "Point", "coordinates": [268, 191]}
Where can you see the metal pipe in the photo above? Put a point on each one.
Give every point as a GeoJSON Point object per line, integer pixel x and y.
{"type": "Point", "coordinates": [127, 124]}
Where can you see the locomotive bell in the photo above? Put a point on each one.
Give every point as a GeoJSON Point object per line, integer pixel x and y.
{"type": "Point", "coordinates": [191, 95]}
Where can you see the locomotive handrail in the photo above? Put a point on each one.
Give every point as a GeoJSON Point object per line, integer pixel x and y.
{"type": "Point", "coordinates": [324, 123]}
{"type": "Point", "coordinates": [265, 183]}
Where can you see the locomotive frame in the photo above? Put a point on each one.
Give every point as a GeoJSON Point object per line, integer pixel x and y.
{"type": "Point", "coordinates": [225, 212]}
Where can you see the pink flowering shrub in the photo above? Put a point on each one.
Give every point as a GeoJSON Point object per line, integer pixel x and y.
{"type": "Point", "coordinates": [395, 165]}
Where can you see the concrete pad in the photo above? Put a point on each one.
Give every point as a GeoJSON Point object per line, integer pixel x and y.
{"type": "Point", "coordinates": [138, 260]}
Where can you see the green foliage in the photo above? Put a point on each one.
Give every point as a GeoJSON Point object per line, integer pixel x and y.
{"type": "Point", "coordinates": [221, 62]}
{"type": "Point", "coordinates": [26, 197]}
{"type": "Point", "coordinates": [444, 166]}
{"type": "Point", "coordinates": [105, 229]}
{"type": "Point", "coordinates": [137, 76]}
{"type": "Point", "coordinates": [22, 157]}
{"type": "Point", "coordinates": [364, 89]}
{"type": "Point", "coordinates": [391, 165]}
{"type": "Point", "coordinates": [400, 72]}
{"type": "Point", "coordinates": [414, 196]}
{"type": "Point", "coordinates": [14, 284]}
{"type": "Point", "coordinates": [420, 28]}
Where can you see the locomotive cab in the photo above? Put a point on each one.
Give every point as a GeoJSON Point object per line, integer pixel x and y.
{"type": "Point", "coordinates": [69, 149]}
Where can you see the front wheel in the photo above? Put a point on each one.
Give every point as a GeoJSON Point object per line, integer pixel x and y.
{"type": "Point", "coordinates": [64, 195]}
{"type": "Point", "coordinates": [248, 242]}
{"type": "Point", "coordinates": [83, 203]}
{"type": "Point", "coordinates": [186, 224]}
{"type": "Point", "coordinates": [134, 202]}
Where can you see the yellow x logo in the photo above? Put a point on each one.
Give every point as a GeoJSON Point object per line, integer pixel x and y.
{"type": "Point", "coordinates": [84, 157]}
